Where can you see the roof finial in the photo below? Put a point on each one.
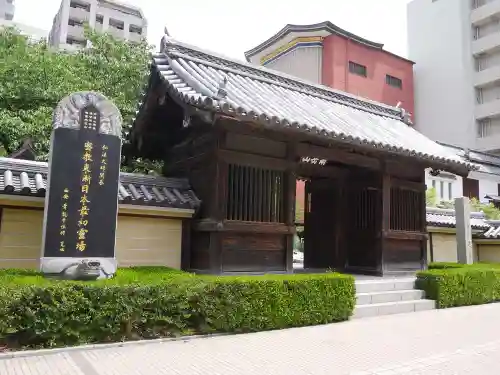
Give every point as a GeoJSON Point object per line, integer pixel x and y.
{"type": "Point", "coordinates": [221, 90]}
{"type": "Point", "coordinates": [164, 39]}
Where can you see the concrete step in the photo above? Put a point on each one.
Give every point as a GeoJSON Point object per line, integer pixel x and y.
{"type": "Point", "coordinates": [384, 285]}
{"type": "Point", "coordinates": [389, 308]}
{"type": "Point", "coordinates": [391, 296]}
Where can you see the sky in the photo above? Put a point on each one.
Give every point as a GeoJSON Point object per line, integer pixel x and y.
{"type": "Point", "coordinates": [224, 27]}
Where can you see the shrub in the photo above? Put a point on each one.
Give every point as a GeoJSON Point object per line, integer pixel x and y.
{"type": "Point", "coordinates": [461, 286]}
{"type": "Point", "coordinates": [150, 303]}
{"type": "Point", "coordinates": [444, 265]}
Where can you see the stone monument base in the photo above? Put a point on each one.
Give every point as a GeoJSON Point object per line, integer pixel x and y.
{"type": "Point", "coordinates": [78, 268]}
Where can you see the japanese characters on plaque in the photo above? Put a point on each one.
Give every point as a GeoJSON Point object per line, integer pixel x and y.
{"type": "Point", "coordinates": [309, 160]}
{"type": "Point", "coordinates": [82, 200]}
{"type": "Point", "coordinates": [104, 162]}
{"type": "Point", "coordinates": [64, 218]}
{"type": "Point", "coordinates": [84, 210]}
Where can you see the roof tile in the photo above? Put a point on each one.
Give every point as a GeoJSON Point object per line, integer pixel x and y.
{"type": "Point", "coordinates": [29, 178]}
{"type": "Point", "coordinates": [259, 94]}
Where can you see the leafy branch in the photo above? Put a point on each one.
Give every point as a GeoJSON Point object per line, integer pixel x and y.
{"type": "Point", "coordinates": [35, 78]}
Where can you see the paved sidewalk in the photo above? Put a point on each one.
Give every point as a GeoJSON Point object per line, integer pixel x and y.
{"type": "Point", "coordinates": [442, 342]}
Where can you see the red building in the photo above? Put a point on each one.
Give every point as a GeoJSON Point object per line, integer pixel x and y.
{"type": "Point", "coordinates": [326, 54]}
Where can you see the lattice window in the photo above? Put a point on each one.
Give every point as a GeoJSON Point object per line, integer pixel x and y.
{"type": "Point", "coordinates": [406, 210]}
{"type": "Point", "coordinates": [365, 213]}
{"type": "Point", "coordinates": [255, 194]}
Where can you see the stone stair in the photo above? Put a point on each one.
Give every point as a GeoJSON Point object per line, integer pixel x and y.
{"type": "Point", "coordinates": [389, 296]}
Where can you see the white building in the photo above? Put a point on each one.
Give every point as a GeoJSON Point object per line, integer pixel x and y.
{"type": "Point", "coordinates": [120, 20]}
{"type": "Point", "coordinates": [456, 47]}
{"type": "Point", "coordinates": [7, 10]}
{"type": "Point", "coordinates": [483, 184]}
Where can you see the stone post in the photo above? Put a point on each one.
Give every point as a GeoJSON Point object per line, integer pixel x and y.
{"type": "Point", "coordinates": [81, 203]}
{"type": "Point", "coordinates": [464, 231]}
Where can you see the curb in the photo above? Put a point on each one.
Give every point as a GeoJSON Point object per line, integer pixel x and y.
{"type": "Point", "coordinates": [44, 352]}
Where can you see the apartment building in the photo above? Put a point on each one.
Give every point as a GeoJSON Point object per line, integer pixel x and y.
{"type": "Point", "coordinates": [456, 47]}
{"type": "Point", "coordinates": [122, 21]}
{"type": "Point", "coordinates": [7, 10]}
{"type": "Point", "coordinates": [325, 54]}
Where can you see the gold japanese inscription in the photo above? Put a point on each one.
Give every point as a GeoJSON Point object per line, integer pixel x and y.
{"type": "Point", "coordinates": [86, 179]}
{"type": "Point", "coordinates": [104, 163]}
{"type": "Point", "coordinates": [64, 216]}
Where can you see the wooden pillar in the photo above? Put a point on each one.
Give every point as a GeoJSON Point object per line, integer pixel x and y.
{"type": "Point", "coordinates": [218, 211]}
{"type": "Point", "coordinates": [386, 216]}
{"type": "Point", "coordinates": [290, 192]}
{"type": "Point", "coordinates": [423, 226]}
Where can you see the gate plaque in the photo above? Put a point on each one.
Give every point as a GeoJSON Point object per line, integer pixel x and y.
{"type": "Point", "coordinates": [82, 194]}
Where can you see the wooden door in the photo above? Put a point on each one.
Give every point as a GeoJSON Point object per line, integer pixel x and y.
{"type": "Point", "coordinates": [470, 188]}
{"type": "Point", "coordinates": [321, 225]}
{"type": "Point", "coordinates": [364, 229]}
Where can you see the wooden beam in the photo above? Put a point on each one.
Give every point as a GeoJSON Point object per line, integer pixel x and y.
{"type": "Point", "coordinates": [408, 185]}
{"type": "Point", "coordinates": [250, 160]}
{"type": "Point", "coordinates": [405, 235]}
{"type": "Point", "coordinates": [313, 170]}
{"type": "Point", "coordinates": [210, 225]}
{"type": "Point", "coordinates": [338, 156]}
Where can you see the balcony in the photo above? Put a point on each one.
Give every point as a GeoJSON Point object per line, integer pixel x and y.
{"type": "Point", "coordinates": [134, 37]}
{"type": "Point", "coordinates": [485, 13]}
{"type": "Point", "coordinates": [76, 32]}
{"type": "Point", "coordinates": [487, 110]}
{"type": "Point", "coordinates": [79, 14]}
{"type": "Point", "coordinates": [486, 44]}
{"type": "Point", "coordinates": [487, 77]}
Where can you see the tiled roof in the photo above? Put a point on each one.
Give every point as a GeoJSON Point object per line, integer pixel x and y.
{"type": "Point", "coordinates": [439, 217]}
{"type": "Point", "coordinates": [264, 96]}
{"type": "Point", "coordinates": [316, 27]}
{"type": "Point", "coordinates": [493, 232]}
{"type": "Point", "coordinates": [485, 162]}
{"type": "Point", "coordinates": [29, 178]}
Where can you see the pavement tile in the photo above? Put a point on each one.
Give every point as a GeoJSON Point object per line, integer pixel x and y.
{"type": "Point", "coordinates": [456, 341]}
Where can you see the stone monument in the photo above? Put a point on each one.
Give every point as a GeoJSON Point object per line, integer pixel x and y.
{"type": "Point", "coordinates": [464, 231]}
{"type": "Point", "coordinates": [81, 203]}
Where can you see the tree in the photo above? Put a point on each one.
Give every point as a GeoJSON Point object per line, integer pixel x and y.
{"type": "Point", "coordinates": [35, 78]}
{"type": "Point", "coordinates": [430, 197]}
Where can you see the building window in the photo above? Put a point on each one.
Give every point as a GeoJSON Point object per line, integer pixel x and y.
{"type": "Point", "coordinates": [99, 19]}
{"type": "Point", "coordinates": [80, 5]}
{"type": "Point", "coordinates": [135, 29]}
{"type": "Point", "coordinates": [358, 69]}
{"type": "Point", "coordinates": [450, 191]}
{"type": "Point", "coordinates": [393, 81]}
{"type": "Point", "coordinates": [441, 189]}
{"type": "Point", "coordinates": [433, 182]}
{"type": "Point", "coordinates": [484, 128]}
{"type": "Point", "coordinates": [73, 22]}
{"type": "Point", "coordinates": [76, 42]}
{"type": "Point", "coordinates": [116, 24]}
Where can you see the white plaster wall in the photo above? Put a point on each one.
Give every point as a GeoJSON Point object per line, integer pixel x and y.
{"type": "Point", "coordinates": [456, 186]}
{"type": "Point", "coordinates": [302, 62]}
{"type": "Point", "coordinates": [488, 184]}
{"type": "Point", "coordinates": [439, 41]}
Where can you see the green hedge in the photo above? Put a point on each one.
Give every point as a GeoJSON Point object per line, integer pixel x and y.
{"type": "Point", "coordinates": [152, 303]}
{"type": "Point", "coordinates": [452, 284]}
